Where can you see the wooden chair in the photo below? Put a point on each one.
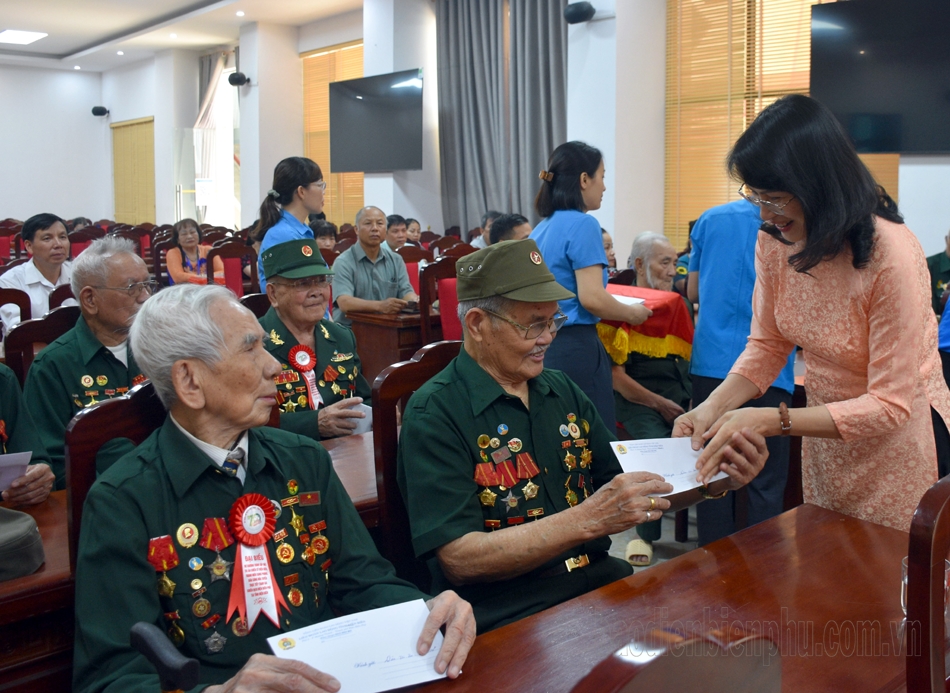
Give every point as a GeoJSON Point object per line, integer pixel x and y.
{"type": "Point", "coordinates": [231, 254]}
{"type": "Point", "coordinates": [79, 241]}
{"type": "Point", "coordinates": [159, 265]}
{"type": "Point", "coordinates": [21, 343]}
{"type": "Point", "coordinates": [212, 236]}
{"type": "Point", "coordinates": [346, 231]}
{"type": "Point", "coordinates": [329, 256]}
{"type": "Point", "coordinates": [721, 661]}
{"type": "Point", "coordinates": [20, 299]}
{"type": "Point", "coordinates": [926, 591]}
{"type": "Point", "coordinates": [428, 237]}
{"type": "Point", "coordinates": [444, 243]}
{"type": "Point", "coordinates": [474, 233]}
{"type": "Point", "coordinates": [429, 281]}
{"type": "Point", "coordinates": [460, 250]}
{"type": "Point", "coordinates": [392, 388]}
{"type": "Point", "coordinates": [454, 231]}
{"type": "Point", "coordinates": [134, 236]}
{"type": "Point", "coordinates": [13, 263]}
{"type": "Point", "coordinates": [59, 295]}
{"type": "Point", "coordinates": [344, 244]}
{"type": "Point", "coordinates": [258, 304]}
{"type": "Point", "coordinates": [411, 253]}
{"type": "Point", "coordinates": [6, 239]}
{"type": "Point", "coordinates": [626, 277]}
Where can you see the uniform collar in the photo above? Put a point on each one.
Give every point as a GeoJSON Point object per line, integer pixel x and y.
{"type": "Point", "coordinates": [32, 274]}
{"type": "Point", "coordinates": [273, 325]}
{"type": "Point", "coordinates": [944, 263]}
{"type": "Point", "coordinates": [89, 344]}
{"type": "Point", "coordinates": [216, 454]}
{"type": "Point", "coordinates": [294, 221]}
{"type": "Point", "coordinates": [484, 390]}
{"type": "Point", "coordinates": [359, 253]}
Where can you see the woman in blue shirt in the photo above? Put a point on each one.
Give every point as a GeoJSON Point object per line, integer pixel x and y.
{"type": "Point", "coordinates": [570, 241]}
{"type": "Point", "coordinates": [297, 193]}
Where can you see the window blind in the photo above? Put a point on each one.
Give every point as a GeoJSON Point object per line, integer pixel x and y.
{"type": "Point", "coordinates": [133, 165]}
{"type": "Point", "coordinates": [344, 195]}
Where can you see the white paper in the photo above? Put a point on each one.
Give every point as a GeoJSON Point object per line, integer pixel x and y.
{"type": "Point", "coordinates": [368, 652]}
{"type": "Point", "coordinates": [672, 458]}
{"type": "Point", "coordinates": [365, 424]}
{"type": "Point", "coordinates": [12, 467]}
{"type": "Point", "coordinates": [628, 300]}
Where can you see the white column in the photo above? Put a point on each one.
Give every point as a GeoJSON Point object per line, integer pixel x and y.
{"type": "Point", "coordinates": [176, 108]}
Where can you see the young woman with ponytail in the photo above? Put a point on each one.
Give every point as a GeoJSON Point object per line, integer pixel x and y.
{"type": "Point", "coordinates": [297, 192]}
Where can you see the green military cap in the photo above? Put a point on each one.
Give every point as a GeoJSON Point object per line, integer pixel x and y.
{"type": "Point", "coordinates": [294, 260]}
{"type": "Point", "coordinates": [513, 269]}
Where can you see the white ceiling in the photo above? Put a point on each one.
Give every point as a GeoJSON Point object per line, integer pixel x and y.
{"type": "Point", "coordinates": [88, 33]}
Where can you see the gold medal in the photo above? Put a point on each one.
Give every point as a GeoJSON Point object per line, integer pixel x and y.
{"type": "Point", "coordinates": [483, 441]}
{"type": "Point", "coordinates": [187, 535]}
{"type": "Point", "coordinates": [570, 461]}
{"type": "Point", "coordinates": [574, 430]}
{"type": "Point", "coordinates": [86, 381]}
{"type": "Point", "coordinates": [295, 596]}
{"type": "Point", "coordinates": [296, 521]}
{"type": "Point", "coordinates": [102, 380]}
{"type": "Point", "coordinates": [201, 608]}
{"type": "Point", "coordinates": [571, 497]}
{"type": "Point", "coordinates": [176, 634]}
{"type": "Point", "coordinates": [530, 490]}
{"type": "Point", "coordinates": [302, 401]}
{"type": "Point", "coordinates": [285, 552]}
{"type": "Point", "coordinates": [322, 383]}
{"type": "Point", "coordinates": [488, 497]}
{"type": "Point", "coordinates": [166, 586]}
{"type": "Point", "coordinates": [320, 544]}
{"type": "Point", "coordinates": [196, 584]}
{"type": "Point", "coordinates": [494, 442]}
{"type": "Point", "coordinates": [239, 627]}
{"type": "Point", "coordinates": [341, 369]}
{"type": "Point", "coordinates": [585, 426]}
{"type": "Point", "coordinates": [587, 457]}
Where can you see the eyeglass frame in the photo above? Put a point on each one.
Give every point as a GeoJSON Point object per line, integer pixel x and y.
{"type": "Point", "coordinates": [759, 202]}
{"type": "Point", "coordinates": [149, 286]}
{"type": "Point", "coordinates": [318, 281]}
{"type": "Point", "coordinates": [322, 184]}
{"type": "Point", "coordinates": [558, 319]}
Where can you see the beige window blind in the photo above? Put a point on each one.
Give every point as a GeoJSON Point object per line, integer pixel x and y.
{"type": "Point", "coordinates": [344, 196]}
{"type": "Point", "coordinates": [725, 61]}
{"type": "Point", "coordinates": [133, 170]}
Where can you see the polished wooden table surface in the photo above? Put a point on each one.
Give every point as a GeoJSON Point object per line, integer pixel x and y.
{"type": "Point", "coordinates": [353, 462]}
{"type": "Point", "coordinates": [382, 340]}
{"type": "Point", "coordinates": [824, 586]}
{"type": "Point", "coordinates": [36, 611]}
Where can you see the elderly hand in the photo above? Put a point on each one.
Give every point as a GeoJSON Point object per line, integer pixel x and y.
{"type": "Point", "coordinates": [31, 488]}
{"type": "Point", "coordinates": [668, 409]}
{"type": "Point", "coordinates": [724, 435]}
{"type": "Point", "coordinates": [391, 305]}
{"type": "Point", "coordinates": [337, 419]}
{"type": "Point", "coordinates": [269, 673]}
{"type": "Point", "coordinates": [456, 615]}
{"type": "Point", "coordinates": [624, 502]}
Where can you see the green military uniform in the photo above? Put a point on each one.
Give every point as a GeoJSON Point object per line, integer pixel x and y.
{"type": "Point", "coordinates": [462, 418]}
{"type": "Point", "coordinates": [939, 266]}
{"type": "Point", "coordinates": [17, 430]}
{"type": "Point", "coordinates": [72, 373]}
{"type": "Point", "coordinates": [166, 483]}
{"type": "Point", "coordinates": [336, 348]}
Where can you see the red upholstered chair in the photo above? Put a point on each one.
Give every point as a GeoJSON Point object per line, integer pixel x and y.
{"type": "Point", "coordinates": [232, 252]}
{"type": "Point", "coordinates": [20, 344]}
{"type": "Point", "coordinates": [412, 255]}
{"type": "Point", "coordinates": [426, 237]}
{"type": "Point", "coordinates": [392, 388]}
{"type": "Point", "coordinates": [79, 241]}
{"type": "Point", "coordinates": [444, 243]}
{"type": "Point", "coordinates": [6, 239]}
{"type": "Point", "coordinates": [59, 295]}
{"type": "Point", "coordinates": [144, 232]}
{"type": "Point", "coordinates": [258, 304]}
{"type": "Point", "coordinates": [213, 236]}
{"type": "Point", "coordinates": [431, 280]}
{"type": "Point", "coordinates": [134, 236]}
{"type": "Point", "coordinates": [448, 309]}
{"type": "Point", "coordinates": [346, 231]}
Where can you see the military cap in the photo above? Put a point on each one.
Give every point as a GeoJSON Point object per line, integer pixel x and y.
{"type": "Point", "coordinates": [513, 269]}
{"type": "Point", "coordinates": [294, 260]}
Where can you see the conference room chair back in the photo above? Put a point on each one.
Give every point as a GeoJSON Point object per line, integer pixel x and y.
{"type": "Point", "coordinates": [343, 244]}
{"type": "Point", "coordinates": [459, 250]}
{"type": "Point", "coordinates": [258, 304]}
{"type": "Point", "coordinates": [159, 264]}
{"type": "Point", "coordinates": [346, 231]}
{"type": "Point", "coordinates": [625, 277]}
{"type": "Point", "coordinates": [444, 243]}
{"type": "Point", "coordinates": [432, 276]}
{"type": "Point", "coordinates": [213, 236]}
{"type": "Point", "coordinates": [232, 252]}
{"type": "Point", "coordinates": [454, 231]}
{"type": "Point", "coordinates": [427, 237]}
{"type": "Point", "coordinates": [329, 255]}
{"type": "Point", "coordinates": [7, 247]}
{"type": "Point", "coordinates": [21, 344]}
{"type": "Point", "coordinates": [391, 390]}
{"type": "Point", "coordinates": [13, 263]}
{"type": "Point", "coordinates": [134, 236]}
{"type": "Point", "coordinates": [20, 299]}
{"type": "Point", "coordinates": [60, 295]}
{"type": "Point", "coordinates": [411, 253]}
{"type": "Point", "coordinates": [79, 241]}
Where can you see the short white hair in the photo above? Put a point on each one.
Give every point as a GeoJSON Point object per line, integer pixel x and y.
{"type": "Point", "coordinates": [643, 246]}
{"type": "Point", "coordinates": [492, 304]}
{"type": "Point", "coordinates": [91, 269]}
{"type": "Point", "coordinates": [176, 324]}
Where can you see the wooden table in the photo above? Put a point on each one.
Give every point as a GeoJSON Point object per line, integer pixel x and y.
{"type": "Point", "coordinates": [355, 464]}
{"type": "Point", "coordinates": [383, 339]}
{"type": "Point", "coordinates": [36, 612]}
{"type": "Point", "coordinates": [825, 586]}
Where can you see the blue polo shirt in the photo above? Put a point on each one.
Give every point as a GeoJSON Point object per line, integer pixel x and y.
{"type": "Point", "coordinates": [289, 228]}
{"type": "Point", "coordinates": [570, 240]}
{"type": "Point", "coordinates": [943, 334]}
{"type": "Point", "coordinates": [723, 253]}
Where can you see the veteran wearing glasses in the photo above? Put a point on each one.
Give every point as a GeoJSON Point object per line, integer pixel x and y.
{"type": "Point", "coordinates": [320, 387]}
{"type": "Point", "coordinates": [510, 483]}
{"type": "Point", "coordinates": [92, 361]}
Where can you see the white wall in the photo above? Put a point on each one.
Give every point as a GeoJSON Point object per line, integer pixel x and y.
{"type": "Point", "coordinates": [52, 148]}
{"type": "Point", "coordinates": [591, 95]}
{"type": "Point", "coordinates": [924, 198]}
{"type": "Point", "coordinates": [324, 33]}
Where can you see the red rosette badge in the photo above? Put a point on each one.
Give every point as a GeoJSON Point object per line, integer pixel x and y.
{"type": "Point", "coordinates": [253, 588]}
{"type": "Point", "coordinates": [303, 358]}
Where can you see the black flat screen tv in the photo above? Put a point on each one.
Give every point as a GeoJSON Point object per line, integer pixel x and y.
{"type": "Point", "coordinates": [883, 68]}
{"type": "Point", "coordinates": [376, 123]}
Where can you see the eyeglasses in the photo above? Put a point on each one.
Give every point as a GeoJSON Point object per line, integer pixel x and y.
{"type": "Point", "coordinates": [133, 289]}
{"type": "Point", "coordinates": [535, 329]}
{"type": "Point", "coordinates": [773, 207]}
{"type": "Point", "coordinates": [322, 184]}
{"type": "Point", "coordinates": [308, 283]}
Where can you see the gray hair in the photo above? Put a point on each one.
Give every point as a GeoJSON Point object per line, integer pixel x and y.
{"type": "Point", "coordinates": [359, 214]}
{"type": "Point", "coordinates": [173, 325]}
{"type": "Point", "coordinates": [643, 246]}
{"type": "Point", "coordinates": [91, 268]}
{"type": "Point", "coordinates": [492, 304]}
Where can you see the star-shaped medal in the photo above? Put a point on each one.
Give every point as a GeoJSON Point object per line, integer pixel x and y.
{"type": "Point", "coordinates": [166, 586]}
{"type": "Point", "coordinates": [297, 521]}
{"type": "Point", "coordinates": [220, 569]}
{"type": "Point", "coordinates": [487, 497]}
{"type": "Point", "coordinates": [530, 490]}
{"type": "Point", "coordinates": [215, 643]}
{"type": "Point", "coordinates": [586, 458]}
{"type": "Point", "coordinates": [510, 501]}
{"type": "Point", "coordinates": [570, 461]}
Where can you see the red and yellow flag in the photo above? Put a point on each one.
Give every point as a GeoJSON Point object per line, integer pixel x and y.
{"type": "Point", "coordinates": [668, 331]}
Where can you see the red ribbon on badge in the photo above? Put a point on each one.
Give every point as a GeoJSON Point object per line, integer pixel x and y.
{"type": "Point", "coordinates": [330, 374]}
{"type": "Point", "coordinates": [506, 472]}
{"type": "Point", "coordinates": [253, 588]}
{"type": "Point", "coordinates": [215, 535]}
{"type": "Point", "coordinates": [161, 553]}
{"type": "Point", "coordinates": [485, 475]}
{"type": "Point", "coordinates": [526, 466]}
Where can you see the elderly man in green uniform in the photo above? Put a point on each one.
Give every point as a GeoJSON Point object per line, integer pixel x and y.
{"type": "Point", "coordinates": [320, 386]}
{"type": "Point", "coordinates": [170, 528]}
{"type": "Point", "coordinates": [650, 392]}
{"type": "Point", "coordinates": [18, 434]}
{"type": "Point", "coordinates": [939, 266]}
{"type": "Point", "coordinates": [92, 361]}
{"type": "Point", "coordinates": [510, 483]}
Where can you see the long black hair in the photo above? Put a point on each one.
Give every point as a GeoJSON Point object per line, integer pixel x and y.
{"type": "Point", "coordinates": [561, 182]}
{"type": "Point", "coordinates": [289, 175]}
{"type": "Point", "coordinates": [797, 146]}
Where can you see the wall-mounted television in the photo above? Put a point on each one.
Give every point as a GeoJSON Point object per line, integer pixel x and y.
{"type": "Point", "coordinates": [376, 123]}
{"type": "Point", "coordinates": [883, 68]}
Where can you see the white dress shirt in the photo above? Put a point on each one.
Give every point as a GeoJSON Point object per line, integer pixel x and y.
{"type": "Point", "coordinates": [219, 455]}
{"type": "Point", "coordinates": [28, 278]}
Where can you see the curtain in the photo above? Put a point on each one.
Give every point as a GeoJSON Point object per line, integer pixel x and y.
{"type": "Point", "coordinates": [210, 68]}
{"type": "Point", "coordinates": [472, 58]}
{"type": "Point", "coordinates": [538, 95]}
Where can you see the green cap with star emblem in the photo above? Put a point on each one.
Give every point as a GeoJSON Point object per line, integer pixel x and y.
{"type": "Point", "coordinates": [513, 269]}
{"type": "Point", "coordinates": [294, 260]}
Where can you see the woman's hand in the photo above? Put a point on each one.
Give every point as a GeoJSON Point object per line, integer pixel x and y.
{"type": "Point", "coordinates": [721, 435]}
{"type": "Point", "coordinates": [695, 423]}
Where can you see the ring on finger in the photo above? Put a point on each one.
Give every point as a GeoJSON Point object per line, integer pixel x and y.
{"type": "Point", "coordinates": [652, 503]}
{"type": "Point", "coordinates": [649, 516]}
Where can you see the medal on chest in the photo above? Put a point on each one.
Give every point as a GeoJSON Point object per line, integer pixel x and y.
{"type": "Point", "coordinates": [253, 587]}
{"type": "Point", "coordinates": [304, 360]}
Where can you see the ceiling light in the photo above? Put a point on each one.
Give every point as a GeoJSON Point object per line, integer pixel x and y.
{"type": "Point", "coordinates": [240, 13]}
{"type": "Point", "coordinates": [21, 38]}
{"type": "Point", "coordinates": [174, 36]}
{"type": "Point", "coordinates": [76, 67]}
{"type": "Point", "coordinates": [120, 52]}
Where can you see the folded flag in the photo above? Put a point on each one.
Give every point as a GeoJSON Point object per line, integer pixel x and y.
{"type": "Point", "coordinates": [668, 331]}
